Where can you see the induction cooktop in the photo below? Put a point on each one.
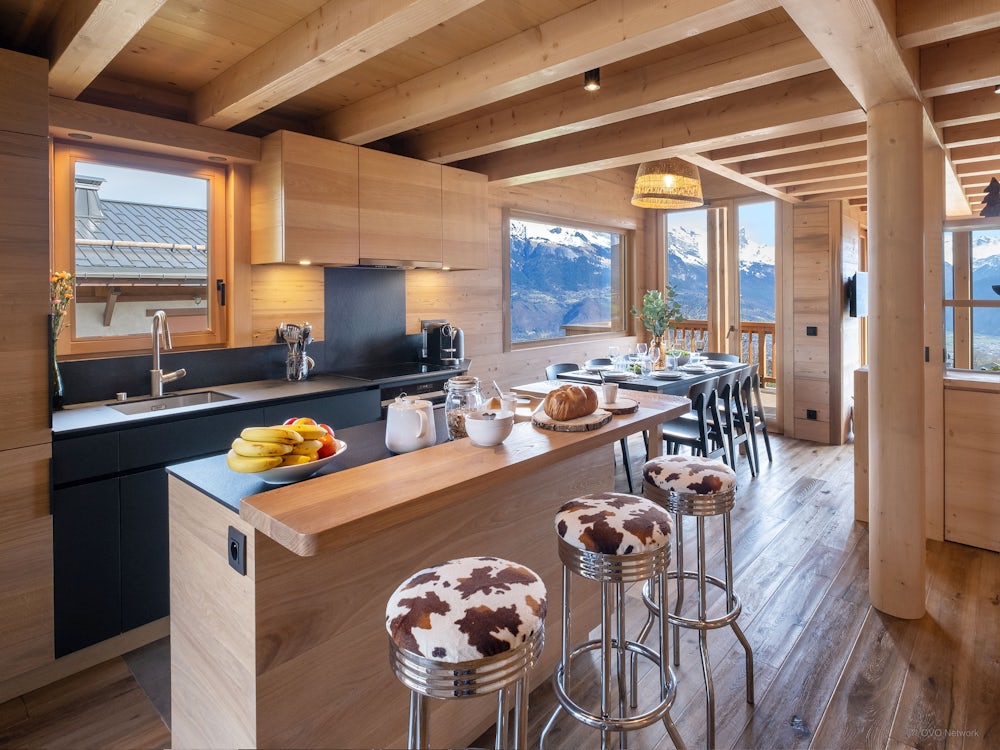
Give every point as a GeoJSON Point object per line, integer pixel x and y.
{"type": "Point", "coordinates": [392, 370]}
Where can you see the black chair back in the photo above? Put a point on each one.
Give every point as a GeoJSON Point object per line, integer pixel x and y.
{"type": "Point", "coordinates": [552, 371]}
{"type": "Point", "coordinates": [597, 362]}
{"type": "Point", "coordinates": [720, 356]}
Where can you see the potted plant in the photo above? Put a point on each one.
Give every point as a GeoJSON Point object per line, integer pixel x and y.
{"type": "Point", "coordinates": [660, 313]}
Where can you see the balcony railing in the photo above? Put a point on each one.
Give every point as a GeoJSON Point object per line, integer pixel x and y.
{"type": "Point", "coordinates": [756, 343]}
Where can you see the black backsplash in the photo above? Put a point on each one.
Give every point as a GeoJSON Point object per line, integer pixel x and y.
{"type": "Point", "coordinates": [365, 320]}
{"type": "Point", "coordinates": [365, 323]}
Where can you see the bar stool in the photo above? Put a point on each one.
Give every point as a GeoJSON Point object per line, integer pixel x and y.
{"type": "Point", "coordinates": [467, 627]}
{"type": "Point", "coordinates": [699, 487]}
{"type": "Point", "coordinates": [614, 539]}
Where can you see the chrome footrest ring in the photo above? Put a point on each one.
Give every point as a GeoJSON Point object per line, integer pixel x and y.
{"type": "Point", "coordinates": [711, 623]}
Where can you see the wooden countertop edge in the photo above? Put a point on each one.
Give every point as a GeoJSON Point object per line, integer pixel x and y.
{"type": "Point", "coordinates": [336, 510]}
{"type": "Point", "coordinates": [986, 382]}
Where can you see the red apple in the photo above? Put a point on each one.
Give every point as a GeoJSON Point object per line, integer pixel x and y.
{"type": "Point", "coordinates": [290, 421]}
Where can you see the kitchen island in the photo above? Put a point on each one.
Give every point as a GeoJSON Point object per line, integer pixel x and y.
{"type": "Point", "coordinates": [294, 653]}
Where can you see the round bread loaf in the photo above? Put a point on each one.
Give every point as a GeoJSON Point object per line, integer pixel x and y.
{"type": "Point", "coordinates": [569, 402]}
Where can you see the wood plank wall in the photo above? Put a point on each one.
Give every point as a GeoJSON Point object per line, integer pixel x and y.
{"type": "Point", "coordinates": [474, 300]}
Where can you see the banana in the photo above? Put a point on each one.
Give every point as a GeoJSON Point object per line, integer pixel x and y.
{"type": "Point", "coordinates": [251, 464]}
{"type": "Point", "coordinates": [271, 435]}
{"type": "Point", "coordinates": [307, 448]}
{"type": "Point", "coordinates": [308, 431]}
{"type": "Point", "coordinates": [255, 449]}
{"type": "Point", "coordinates": [293, 459]}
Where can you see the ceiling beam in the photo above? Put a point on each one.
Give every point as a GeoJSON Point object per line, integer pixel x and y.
{"type": "Point", "coordinates": [981, 152]}
{"type": "Point", "coordinates": [121, 129]}
{"type": "Point", "coordinates": [817, 157]}
{"type": "Point", "coordinates": [731, 174]}
{"type": "Point", "coordinates": [923, 22]}
{"type": "Point", "coordinates": [805, 103]}
{"type": "Point", "coordinates": [960, 65]}
{"type": "Point", "coordinates": [854, 133]}
{"type": "Point", "coordinates": [818, 174]}
{"type": "Point", "coordinates": [854, 39]}
{"type": "Point", "coordinates": [979, 168]}
{"type": "Point", "coordinates": [601, 32]}
{"type": "Point", "coordinates": [336, 37]}
{"type": "Point", "coordinates": [858, 183]}
{"type": "Point", "coordinates": [87, 35]}
{"type": "Point", "coordinates": [836, 195]}
{"type": "Point", "coordinates": [974, 134]}
{"type": "Point", "coordinates": [756, 59]}
{"type": "Point", "coordinates": [966, 107]}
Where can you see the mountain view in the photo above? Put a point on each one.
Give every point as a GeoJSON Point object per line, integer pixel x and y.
{"type": "Point", "coordinates": [558, 276]}
{"type": "Point", "coordinates": [985, 321]}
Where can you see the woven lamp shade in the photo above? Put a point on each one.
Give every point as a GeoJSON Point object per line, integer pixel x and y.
{"type": "Point", "coordinates": [668, 183]}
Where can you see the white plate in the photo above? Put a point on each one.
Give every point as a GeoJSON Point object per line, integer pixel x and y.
{"type": "Point", "coordinates": [718, 364]}
{"type": "Point", "coordinates": [667, 374]}
{"type": "Point", "coordinates": [617, 375]}
{"type": "Point", "coordinates": [597, 368]}
{"type": "Point", "coordinates": [289, 474]}
{"type": "Point", "coordinates": [694, 368]}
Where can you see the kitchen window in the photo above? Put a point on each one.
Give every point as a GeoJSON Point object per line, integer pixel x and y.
{"type": "Point", "coordinates": [972, 297]}
{"type": "Point", "coordinates": [140, 233]}
{"type": "Point", "coordinates": [565, 278]}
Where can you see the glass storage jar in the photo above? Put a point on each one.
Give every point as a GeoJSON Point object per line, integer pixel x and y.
{"type": "Point", "coordinates": [462, 396]}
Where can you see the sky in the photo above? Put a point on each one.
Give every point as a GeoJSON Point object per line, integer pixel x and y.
{"type": "Point", "coordinates": [757, 218]}
{"type": "Point", "coordinates": [143, 186]}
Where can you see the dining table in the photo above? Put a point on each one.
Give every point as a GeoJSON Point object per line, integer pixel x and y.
{"type": "Point", "coordinates": [674, 383]}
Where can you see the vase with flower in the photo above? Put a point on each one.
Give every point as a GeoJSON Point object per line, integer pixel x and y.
{"type": "Point", "coordinates": [659, 314]}
{"type": "Point", "coordinates": [61, 287]}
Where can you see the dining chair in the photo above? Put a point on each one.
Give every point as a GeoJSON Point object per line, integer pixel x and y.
{"type": "Point", "coordinates": [597, 362]}
{"type": "Point", "coordinates": [720, 356]}
{"type": "Point", "coordinates": [696, 429]}
{"type": "Point", "coordinates": [552, 373]}
{"type": "Point", "coordinates": [756, 420]}
{"type": "Point", "coordinates": [734, 424]}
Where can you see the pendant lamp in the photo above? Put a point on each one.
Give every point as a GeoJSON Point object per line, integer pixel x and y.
{"type": "Point", "coordinates": [667, 183]}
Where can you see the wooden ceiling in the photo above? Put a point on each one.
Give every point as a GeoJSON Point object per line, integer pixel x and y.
{"type": "Point", "coordinates": [768, 93]}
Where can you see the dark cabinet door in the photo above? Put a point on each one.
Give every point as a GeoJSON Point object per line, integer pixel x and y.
{"type": "Point", "coordinates": [341, 410]}
{"type": "Point", "coordinates": [145, 548]}
{"type": "Point", "coordinates": [86, 564]}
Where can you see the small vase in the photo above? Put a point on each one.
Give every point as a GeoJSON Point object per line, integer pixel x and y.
{"type": "Point", "coordinates": [658, 344]}
{"type": "Point", "coordinates": [55, 380]}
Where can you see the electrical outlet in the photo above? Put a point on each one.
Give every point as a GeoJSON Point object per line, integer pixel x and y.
{"type": "Point", "coordinates": [237, 551]}
{"type": "Point", "coordinates": [812, 331]}
{"type": "Point", "coordinates": [811, 414]}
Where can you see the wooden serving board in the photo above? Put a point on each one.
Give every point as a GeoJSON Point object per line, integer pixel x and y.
{"type": "Point", "coordinates": [592, 421]}
{"type": "Point", "coordinates": [621, 406]}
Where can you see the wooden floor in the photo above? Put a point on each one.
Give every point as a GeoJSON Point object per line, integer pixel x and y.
{"type": "Point", "coordinates": [830, 671]}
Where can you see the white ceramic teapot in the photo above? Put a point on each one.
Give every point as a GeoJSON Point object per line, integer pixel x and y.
{"type": "Point", "coordinates": [409, 425]}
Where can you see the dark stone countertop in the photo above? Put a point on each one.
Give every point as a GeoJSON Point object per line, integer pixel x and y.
{"type": "Point", "coordinates": [365, 445]}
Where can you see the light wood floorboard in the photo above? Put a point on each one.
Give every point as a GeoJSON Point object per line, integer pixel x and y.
{"type": "Point", "coordinates": [830, 671]}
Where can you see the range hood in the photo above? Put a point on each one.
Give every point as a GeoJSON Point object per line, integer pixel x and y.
{"type": "Point", "coordinates": [393, 263]}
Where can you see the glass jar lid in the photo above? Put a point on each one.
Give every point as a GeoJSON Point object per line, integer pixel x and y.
{"type": "Point", "coordinates": [462, 382]}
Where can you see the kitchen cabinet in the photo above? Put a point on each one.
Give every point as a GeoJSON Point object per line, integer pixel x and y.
{"type": "Point", "coordinates": [145, 548]}
{"type": "Point", "coordinates": [25, 444]}
{"type": "Point", "coordinates": [304, 201]}
{"type": "Point", "coordinates": [463, 214]}
{"type": "Point", "coordinates": [338, 411]}
{"type": "Point", "coordinates": [400, 208]}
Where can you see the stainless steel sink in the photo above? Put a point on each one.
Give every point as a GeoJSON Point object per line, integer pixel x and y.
{"type": "Point", "coordinates": [174, 401]}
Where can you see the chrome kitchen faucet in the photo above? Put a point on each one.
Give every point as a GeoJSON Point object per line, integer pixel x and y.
{"type": "Point", "coordinates": [156, 376]}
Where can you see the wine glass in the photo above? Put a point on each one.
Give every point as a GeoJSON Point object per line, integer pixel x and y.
{"type": "Point", "coordinates": [614, 354]}
{"type": "Point", "coordinates": [642, 349]}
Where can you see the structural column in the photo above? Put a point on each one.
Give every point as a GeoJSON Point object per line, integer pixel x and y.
{"type": "Point", "coordinates": [897, 562]}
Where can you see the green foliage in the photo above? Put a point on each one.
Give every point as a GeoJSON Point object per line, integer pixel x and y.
{"type": "Point", "coordinates": [660, 311]}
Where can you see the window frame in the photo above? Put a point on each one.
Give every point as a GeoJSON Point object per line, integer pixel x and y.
{"type": "Point", "coordinates": [65, 156]}
{"type": "Point", "coordinates": [625, 272]}
{"type": "Point", "coordinates": [961, 304]}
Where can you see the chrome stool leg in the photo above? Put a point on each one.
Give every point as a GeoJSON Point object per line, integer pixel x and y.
{"type": "Point", "coordinates": [647, 557]}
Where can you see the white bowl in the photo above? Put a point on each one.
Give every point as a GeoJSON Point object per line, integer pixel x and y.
{"type": "Point", "coordinates": [298, 472]}
{"type": "Point", "coordinates": [485, 431]}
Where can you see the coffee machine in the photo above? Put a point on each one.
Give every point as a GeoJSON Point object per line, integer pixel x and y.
{"type": "Point", "coordinates": [441, 343]}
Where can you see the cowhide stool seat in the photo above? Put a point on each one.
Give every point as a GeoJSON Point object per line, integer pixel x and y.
{"type": "Point", "coordinates": [467, 627]}
{"type": "Point", "coordinates": [614, 539]}
{"type": "Point", "coordinates": [702, 488]}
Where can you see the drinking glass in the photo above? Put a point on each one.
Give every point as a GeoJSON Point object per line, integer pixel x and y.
{"type": "Point", "coordinates": [671, 361]}
{"type": "Point", "coordinates": [654, 356]}
{"type": "Point", "coordinates": [614, 354]}
{"type": "Point", "coordinates": [642, 349]}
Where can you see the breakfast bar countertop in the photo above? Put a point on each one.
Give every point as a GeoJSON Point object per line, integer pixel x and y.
{"type": "Point", "coordinates": [339, 506]}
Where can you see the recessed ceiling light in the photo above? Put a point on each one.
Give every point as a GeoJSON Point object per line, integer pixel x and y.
{"type": "Point", "coordinates": [81, 136]}
{"type": "Point", "coordinates": [996, 89]}
{"type": "Point", "coordinates": [592, 79]}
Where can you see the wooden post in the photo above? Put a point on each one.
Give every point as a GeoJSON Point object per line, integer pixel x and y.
{"type": "Point", "coordinates": [897, 563]}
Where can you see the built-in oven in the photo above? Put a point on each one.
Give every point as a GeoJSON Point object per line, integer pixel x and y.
{"type": "Point", "coordinates": [430, 390]}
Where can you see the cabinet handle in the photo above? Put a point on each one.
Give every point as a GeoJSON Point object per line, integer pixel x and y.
{"type": "Point", "coordinates": [220, 287]}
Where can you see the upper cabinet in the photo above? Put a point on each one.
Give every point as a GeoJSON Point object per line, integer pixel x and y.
{"type": "Point", "coordinates": [400, 208]}
{"type": "Point", "coordinates": [463, 214]}
{"type": "Point", "coordinates": [304, 201]}
{"type": "Point", "coordinates": [319, 201]}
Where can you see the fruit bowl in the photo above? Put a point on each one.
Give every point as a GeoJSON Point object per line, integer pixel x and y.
{"type": "Point", "coordinates": [289, 474]}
